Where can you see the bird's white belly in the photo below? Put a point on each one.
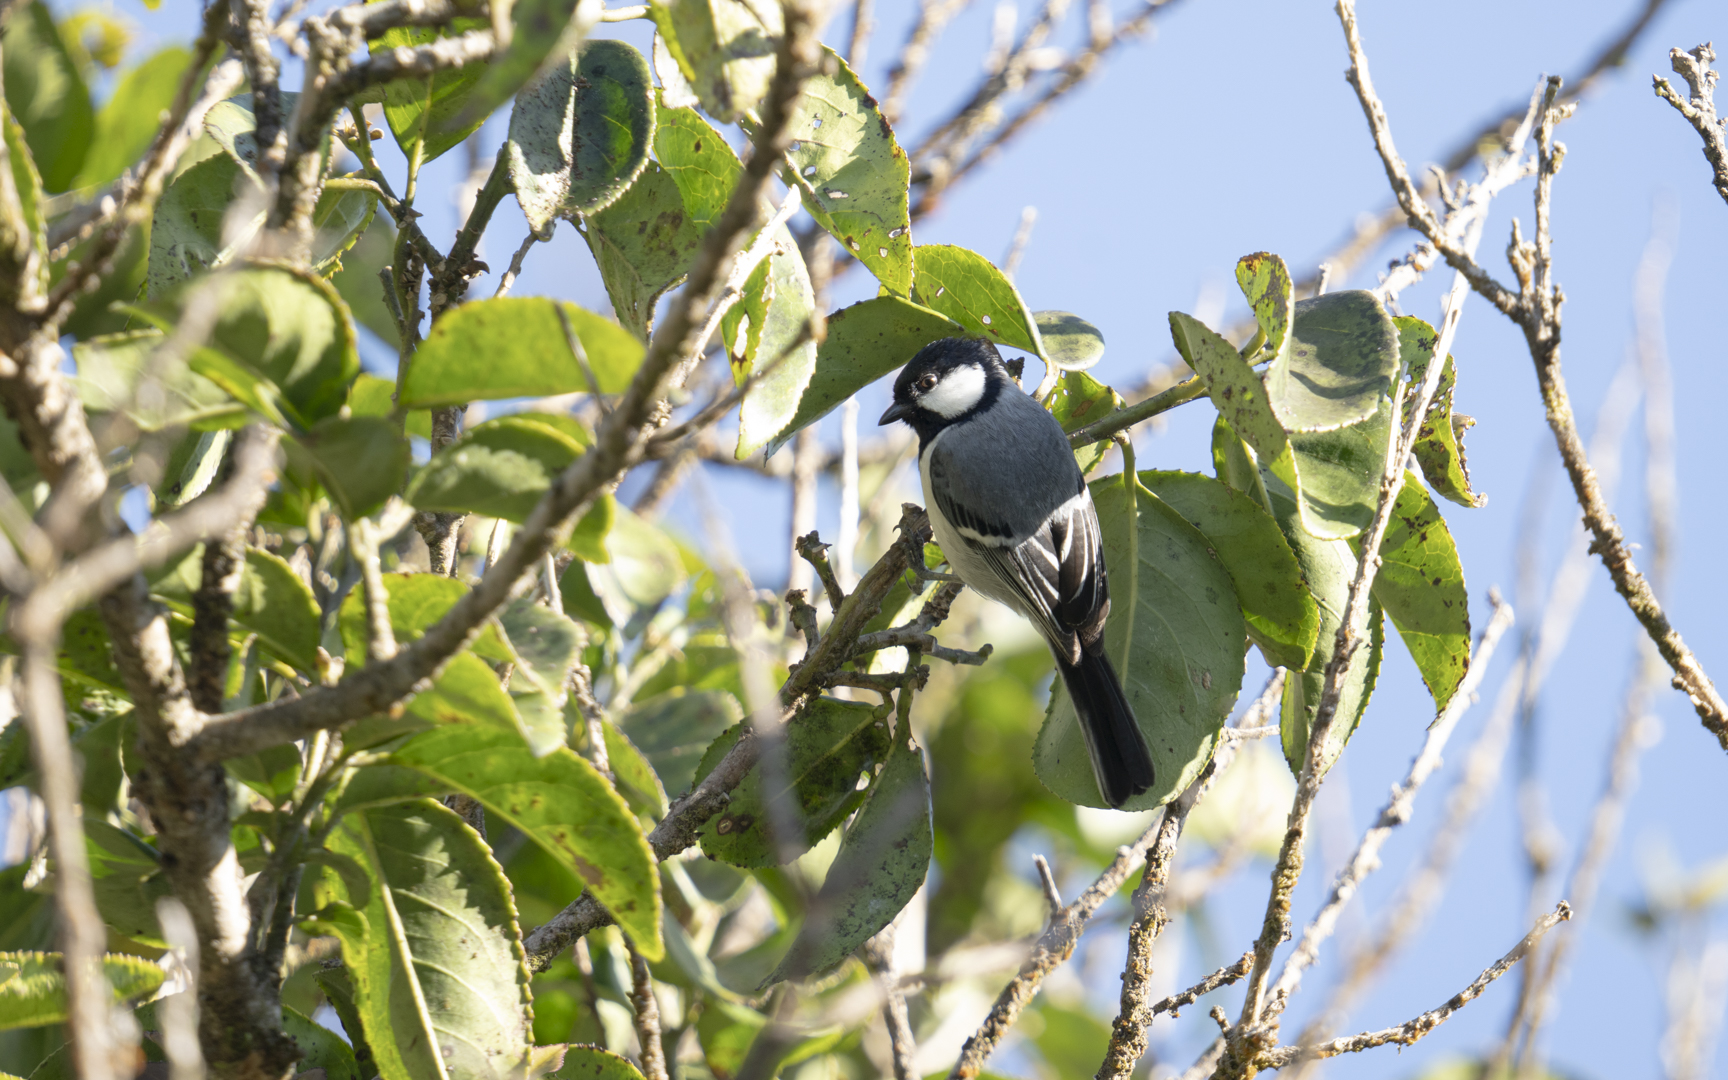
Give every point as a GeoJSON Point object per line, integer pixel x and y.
{"type": "Point", "coordinates": [962, 558]}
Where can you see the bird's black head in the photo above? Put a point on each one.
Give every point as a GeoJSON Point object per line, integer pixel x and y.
{"type": "Point", "coordinates": [948, 381]}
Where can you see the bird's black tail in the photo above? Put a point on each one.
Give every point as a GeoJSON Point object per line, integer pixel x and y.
{"type": "Point", "coordinates": [1120, 759]}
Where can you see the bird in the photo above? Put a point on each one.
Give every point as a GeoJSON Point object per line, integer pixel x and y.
{"type": "Point", "coordinates": [1012, 513]}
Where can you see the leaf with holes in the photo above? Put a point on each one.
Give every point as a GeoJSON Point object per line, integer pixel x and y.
{"type": "Point", "coordinates": [853, 174]}
{"type": "Point", "coordinates": [579, 134]}
{"type": "Point", "coordinates": [1440, 440]}
{"type": "Point", "coordinates": [883, 859]}
{"type": "Point", "coordinates": [1421, 586]}
{"type": "Point", "coordinates": [644, 244]}
{"type": "Point", "coordinates": [865, 342]}
{"type": "Point", "coordinates": [429, 940]}
{"type": "Point", "coordinates": [1175, 635]}
{"type": "Point", "coordinates": [967, 287]}
{"type": "Point", "coordinates": [514, 346]}
{"type": "Point", "coordinates": [827, 747]}
{"type": "Point", "coordinates": [1280, 612]}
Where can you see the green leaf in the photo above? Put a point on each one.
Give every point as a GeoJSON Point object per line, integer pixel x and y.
{"type": "Point", "coordinates": [282, 344]}
{"type": "Point", "coordinates": [594, 1063]}
{"type": "Point", "coordinates": [1340, 474]}
{"type": "Point", "coordinates": [360, 460]}
{"type": "Point", "coordinates": [422, 111]}
{"type": "Point", "coordinates": [634, 778]}
{"type": "Point", "coordinates": [644, 244]}
{"type": "Point", "coordinates": [1238, 394]}
{"type": "Point", "coordinates": [24, 234]}
{"type": "Point", "coordinates": [186, 229]}
{"type": "Point", "coordinates": [852, 172]}
{"type": "Point", "coordinates": [128, 880]}
{"type": "Point", "coordinates": [499, 468]}
{"type": "Point", "coordinates": [967, 287]}
{"type": "Point", "coordinates": [339, 218]}
{"type": "Point", "coordinates": [778, 313]}
{"type": "Point", "coordinates": [339, 992]}
{"type": "Point", "coordinates": [542, 29]}
{"type": "Point", "coordinates": [588, 539]}
{"type": "Point", "coordinates": [320, 1047]}
{"type": "Point", "coordinates": [699, 160]}
{"type": "Point", "coordinates": [865, 342]}
{"type": "Point", "coordinates": [827, 747]}
{"type": "Point", "coordinates": [112, 372]}
{"type": "Point", "coordinates": [1280, 612]}
{"type": "Point", "coordinates": [1328, 566]}
{"type": "Point", "coordinates": [1071, 343]}
{"type": "Point", "coordinates": [560, 803]}
{"type": "Point", "coordinates": [1175, 635]}
{"type": "Point", "coordinates": [1265, 281]}
{"type": "Point", "coordinates": [191, 467]}
{"type": "Point", "coordinates": [362, 290]}
{"type": "Point", "coordinates": [1421, 586]}
{"type": "Point", "coordinates": [514, 346]}
{"type": "Point", "coordinates": [725, 49]}
{"type": "Point", "coordinates": [547, 644]}
{"type": "Point", "coordinates": [579, 135]}
{"type": "Point", "coordinates": [35, 994]}
{"type": "Point", "coordinates": [883, 858]}
{"type": "Point", "coordinates": [47, 96]}
{"type": "Point", "coordinates": [674, 729]}
{"type": "Point", "coordinates": [1343, 357]}
{"type": "Point", "coordinates": [127, 124]}
{"type": "Point", "coordinates": [430, 942]}
{"type": "Point", "coordinates": [270, 601]}
{"type": "Point", "coordinates": [1440, 440]}
{"type": "Point", "coordinates": [373, 396]}
{"type": "Point", "coordinates": [415, 602]}
{"type": "Point", "coordinates": [643, 567]}
{"type": "Point", "coordinates": [1078, 400]}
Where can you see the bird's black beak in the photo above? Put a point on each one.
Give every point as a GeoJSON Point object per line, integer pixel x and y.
{"type": "Point", "coordinates": [896, 411]}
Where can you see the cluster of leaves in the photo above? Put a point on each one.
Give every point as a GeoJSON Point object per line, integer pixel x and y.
{"type": "Point", "coordinates": [428, 914]}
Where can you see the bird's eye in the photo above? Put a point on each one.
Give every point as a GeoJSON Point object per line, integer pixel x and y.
{"type": "Point", "coordinates": [928, 382]}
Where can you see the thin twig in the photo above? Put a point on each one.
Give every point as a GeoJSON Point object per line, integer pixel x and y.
{"type": "Point", "coordinates": [647, 1015]}
{"type": "Point", "coordinates": [1700, 111]}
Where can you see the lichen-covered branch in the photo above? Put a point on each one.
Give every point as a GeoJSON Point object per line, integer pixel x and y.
{"type": "Point", "coordinates": [1700, 109]}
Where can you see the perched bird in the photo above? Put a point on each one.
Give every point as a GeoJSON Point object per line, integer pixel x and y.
{"type": "Point", "coordinates": [1012, 512]}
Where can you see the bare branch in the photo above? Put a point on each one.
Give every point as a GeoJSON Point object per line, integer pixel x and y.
{"type": "Point", "coordinates": [647, 1013]}
{"type": "Point", "coordinates": [1700, 111]}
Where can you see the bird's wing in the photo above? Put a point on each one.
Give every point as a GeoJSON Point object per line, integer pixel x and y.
{"type": "Point", "coordinates": [1056, 570]}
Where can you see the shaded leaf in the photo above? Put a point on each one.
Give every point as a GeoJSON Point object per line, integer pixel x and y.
{"type": "Point", "coordinates": [967, 287]}
{"type": "Point", "coordinates": [499, 468]}
{"type": "Point", "coordinates": [127, 879]}
{"type": "Point", "coordinates": [1440, 440]}
{"type": "Point", "coordinates": [634, 778]}
{"type": "Point", "coordinates": [1175, 635]}
{"type": "Point", "coordinates": [35, 992]}
{"type": "Point", "coordinates": [362, 290]}
{"type": "Point", "coordinates": [415, 602]}
{"type": "Point", "coordinates": [594, 1063]}
{"type": "Point", "coordinates": [560, 803]}
{"type": "Point", "coordinates": [514, 346]}
{"type": "Point", "coordinates": [865, 342]}
{"type": "Point", "coordinates": [186, 228]}
{"type": "Point", "coordinates": [1078, 400]}
{"type": "Point", "coordinates": [827, 747]}
{"type": "Point", "coordinates": [882, 862]}
{"type": "Point", "coordinates": [579, 134]}
{"type": "Point", "coordinates": [541, 29]}
{"type": "Point", "coordinates": [778, 310]}
{"type": "Point", "coordinates": [373, 396]}
{"type": "Point", "coordinates": [339, 992]}
{"type": "Point", "coordinates": [47, 95]}
{"type": "Point", "coordinates": [1342, 359]}
{"type": "Point", "coordinates": [1071, 343]}
{"type": "Point", "coordinates": [1280, 612]}
{"type": "Point", "coordinates": [1237, 393]}
{"type": "Point", "coordinates": [192, 467]}
{"type": "Point", "coordinates": [674, 729]}
{"type": "Point", "coordinates": [115, 373]}
{"type": "Point", "coordinates": [422, 110]}
{"type": "Point", "coordinates": [1421, 586]}
{"type": "Point", "coordinates": [546, 642]}
{"type": "Point", "coordinates": [724, 48]}
{"type": "Point", "coordinates": [430, 941]}
{"type": "Point", "coordinates": [851, 171]}
{"type": "Point", "coordinates": [644, 244]}
{"type": "Point", "coordinates": [642, 569]}
{"type": "Point", "coordinates": [360, 460]}
{"type": "Point", "coordinates": [1340, 474]}
{"type": "Point", "coordinates": [320, 1048]}
{"type": "Point", "coordinates": [127, 124]}
{"type": "Point", "coordinates": [270, 601]}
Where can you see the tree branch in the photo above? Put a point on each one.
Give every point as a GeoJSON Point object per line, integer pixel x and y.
{"type": "Point", "coordinates": [1700, 111]}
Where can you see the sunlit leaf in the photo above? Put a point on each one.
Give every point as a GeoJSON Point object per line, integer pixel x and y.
{"type": "Point", "coordinates": [127, 124]}
{"type": "Point", "coordinates": [1440, 440]}
{"type": "Point", "coordinates": [35, 992]}
{"type": "Point", "coordinates": [1071, 343]}
{"type": "Point", "coordinates": [422, 110]}
{"type": "Point", "coordinates": [1421, 586]}
{"type": "Point", "coordinates": [967, 287]}
{"type": "Point", "coordinates": [724, 48]}
{"type": "Point", "coordinates": [644, 244]}
{"type": "Point", "coordinates": [514, 346]}
{"type": "Point", "coordinates": [1077, 401]}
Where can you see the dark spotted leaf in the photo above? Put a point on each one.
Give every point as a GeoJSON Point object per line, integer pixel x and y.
{"type": "Point", "coordinates": [1440, 440]}
{"type": "Point", "coordinates": [1078, 400]}
{"type": "Point", "coordinates": [1421, 586]}
{"type": "Point", "coordinates": [644, 244]}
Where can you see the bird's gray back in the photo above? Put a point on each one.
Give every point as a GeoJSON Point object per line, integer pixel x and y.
{"type": "Point", "coordinates": [1011, 462]}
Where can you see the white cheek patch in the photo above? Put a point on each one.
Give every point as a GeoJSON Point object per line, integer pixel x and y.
{"type": "Point", "coordinates": [958, 392]}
